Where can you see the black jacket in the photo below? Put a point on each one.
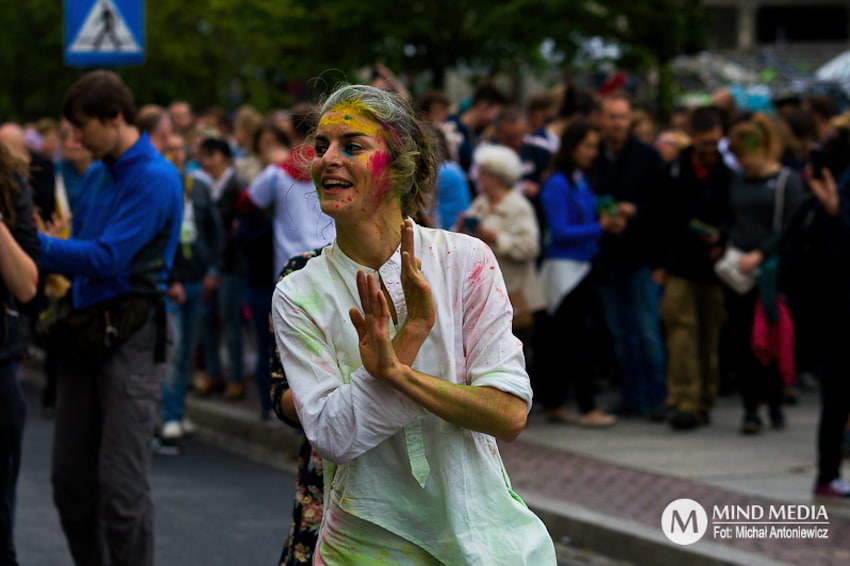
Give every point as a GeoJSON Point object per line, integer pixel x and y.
{"type": "Point", "coordinates": [689, 210]}
{"type": "Point", "coordinates": [204, 254]}
{"type": "Point", "coordinates": [12, 325]}
{"type": "Point", "coordinates": [632, 176]}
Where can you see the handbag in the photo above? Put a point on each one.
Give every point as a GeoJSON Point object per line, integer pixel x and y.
{"type": "Point", "coordinates": [89, 336]}
{"type": "Point", "coordinates": [728, 268]}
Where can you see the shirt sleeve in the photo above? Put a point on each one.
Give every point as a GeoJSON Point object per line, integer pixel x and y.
{"type": "Point", "coordinates": [520, 240]}
{"type": "Point", "coordinates": [139, 218]}
{"type": "Point", "coordinates": [341, 420]}
{"type": "Point", "coordinates": [261, 190]}
{"type": "Point", "coordinates": [556, 205]}
{"type": "Point", "coordinates": [494, 355]}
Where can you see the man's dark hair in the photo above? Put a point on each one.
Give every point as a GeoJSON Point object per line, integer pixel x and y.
{"type": "Point", "coordinates": [303, 120]}
{"type": "Point", "coordinates": [149, 118]}
{"type": "Point", "coordinates": [216, 145]}
{"type": "Point", "coordinates": [539, 102]}
{"type": "Point", "coordinates": [99, 94]}
{"type": "Point", "coordinates": [278, 134]}
{"type": "Point", "coordinates": [431, 98]}
{"type": "Point", "coordinates": [822, 106]}
{"type": "Point", "coordinates": [490, 95]}
{"type": "Point", "coordinates": [577, 102]}
{"type": "Point", "coordinates": [508, 116]}
{"type": "Point", "coordinates": [705, 119]}
{"type": "Point", "coordinates": [564, 159]}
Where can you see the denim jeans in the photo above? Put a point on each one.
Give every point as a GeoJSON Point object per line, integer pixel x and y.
{"type": "Point", "coordinates": [260, 301]}
{"type": "Point", "coordinates": [632, 302]}
{"type": "Point", "coordinates": [12, 417]}
{"type": "Point", "coordinates": [185, 319]}
{"type": "Point", "coordinates": [228, 305]}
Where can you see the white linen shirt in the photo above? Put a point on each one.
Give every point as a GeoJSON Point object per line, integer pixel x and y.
{"type": "Point", "coordinates": [440, 486]}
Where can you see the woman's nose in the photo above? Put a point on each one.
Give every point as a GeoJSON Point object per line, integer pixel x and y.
{"type": "Point", "coordinates": [332, 155]}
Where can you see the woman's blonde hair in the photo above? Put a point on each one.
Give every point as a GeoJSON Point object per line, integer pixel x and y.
{"type": "Point", "coordinates": [757, 135]}
{"type": "Point", "coordinates": [413, 166]}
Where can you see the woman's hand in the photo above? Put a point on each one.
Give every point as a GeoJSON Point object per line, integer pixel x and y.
{"type": "Point", "coordinates": [825, 190]}
{"type": "Point", "coordinates": [749, 262]}
{"type": "Point", "coordinates": [376, 348]}
{"type": "Point", "coordinates": [421, 313]}
{"type": "Point", "coordinates": [487, 235]}
{"type": "Point", "coordinates": [612, 224]}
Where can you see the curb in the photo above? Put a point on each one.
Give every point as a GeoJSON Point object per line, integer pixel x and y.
{"type": "Point", "coordinates": [629, 541]}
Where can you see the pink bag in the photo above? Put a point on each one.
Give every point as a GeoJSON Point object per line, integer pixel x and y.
{"type": "Point", "coordinates": [775, 342]}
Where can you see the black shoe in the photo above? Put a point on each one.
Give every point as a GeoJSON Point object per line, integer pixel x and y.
{"type": "Point", "coordinates": [751, 424]}
{"type": "Point", "coordinates": [681, 420]}
{"type": "Point", "coordinates": [658, 414]}
{"type": "Point", "coordinates": [777, 419]}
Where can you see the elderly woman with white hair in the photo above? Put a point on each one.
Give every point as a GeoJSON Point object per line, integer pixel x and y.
{"type": "Point", "coordinates": [504, 219]}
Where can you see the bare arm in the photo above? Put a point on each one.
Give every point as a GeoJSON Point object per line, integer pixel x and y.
{"type": "Point", "coordinates": [20, 273]}
{"type": "Point", "coordinates": [483, 409]}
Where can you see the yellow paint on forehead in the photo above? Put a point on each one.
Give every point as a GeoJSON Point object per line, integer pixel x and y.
{"type": "Point", "coordinates": [351, 115]}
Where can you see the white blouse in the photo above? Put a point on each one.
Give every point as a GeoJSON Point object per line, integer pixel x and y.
{"type": "Point", "coordinates": [439, 486]}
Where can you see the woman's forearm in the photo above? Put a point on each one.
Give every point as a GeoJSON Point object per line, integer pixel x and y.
{"type": "Point", "coordinates": [483, 409]}
{"type": "Point", "coordinates": [287, 406]}
{"type": "Point", "coordinates": [19, 271]}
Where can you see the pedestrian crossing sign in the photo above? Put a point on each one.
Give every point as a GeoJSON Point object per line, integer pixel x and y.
{"type": "Point", "coordinates": [104, 32]}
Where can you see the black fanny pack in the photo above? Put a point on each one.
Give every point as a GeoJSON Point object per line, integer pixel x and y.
{"type": "Point", "coordinates": [90, 335]}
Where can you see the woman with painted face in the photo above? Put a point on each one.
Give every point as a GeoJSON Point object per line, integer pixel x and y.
{"type": "Point", "coordinates": [406, 400]}
{"type": "Point", "coordinates": [19, 278]}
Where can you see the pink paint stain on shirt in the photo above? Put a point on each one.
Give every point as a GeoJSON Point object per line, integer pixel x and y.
{"type": "Point", "coordinates": [476, 273]}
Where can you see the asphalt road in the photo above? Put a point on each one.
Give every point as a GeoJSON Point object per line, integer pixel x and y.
{"type": "Point", "coordinates": [212, 507]}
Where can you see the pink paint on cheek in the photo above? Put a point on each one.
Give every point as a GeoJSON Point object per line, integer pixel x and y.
{"type": "Point", "coordinates": [380, 176]}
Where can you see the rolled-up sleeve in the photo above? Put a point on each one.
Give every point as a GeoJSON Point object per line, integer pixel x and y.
{"type": "Point", "coordinates": [342, 418]}
{"type": "Point", "coordinates": [494, 356]}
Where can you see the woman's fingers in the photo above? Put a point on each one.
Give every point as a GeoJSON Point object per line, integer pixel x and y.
{"type": "Point", "coordinates": [363, 291]}
{"type": "Point", "coordinates": [358, 321]}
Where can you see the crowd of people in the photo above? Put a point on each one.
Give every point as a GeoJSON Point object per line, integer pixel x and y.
{"type": "Point", "coordinates": [663, 259]}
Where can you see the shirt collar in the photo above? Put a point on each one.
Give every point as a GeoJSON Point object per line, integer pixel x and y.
{"type": "Point", "coordinates": [119, 167]}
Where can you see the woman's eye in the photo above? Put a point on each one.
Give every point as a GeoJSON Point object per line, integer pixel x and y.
{"type": "Point", "coordinates": [320, 150]}
{"type": "Point", "coordinates": [352, 148]}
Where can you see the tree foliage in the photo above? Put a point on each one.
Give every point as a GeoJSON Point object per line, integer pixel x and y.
{"type": "Point", "coordinates": [224, 52]}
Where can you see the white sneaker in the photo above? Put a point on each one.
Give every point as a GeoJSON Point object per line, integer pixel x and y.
{"type": "Point", "coordinates": [171, 430]}
{"type": "Point", "coordinates": [188, 426]}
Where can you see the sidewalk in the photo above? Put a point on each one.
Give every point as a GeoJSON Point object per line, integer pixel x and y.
{"type": "Point", "coordinates": [605, 490]}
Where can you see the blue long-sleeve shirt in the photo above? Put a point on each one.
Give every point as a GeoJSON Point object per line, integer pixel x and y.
{"type": "Point", "coordinates": [572, 230]}
{"type": "Point", "coordinates": [129, 229]}
{"type": "Point", "coordinates": [453, 195]}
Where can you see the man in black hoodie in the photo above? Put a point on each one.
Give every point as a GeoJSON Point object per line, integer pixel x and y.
{"type": "Point", "coordinates": [693, 207]}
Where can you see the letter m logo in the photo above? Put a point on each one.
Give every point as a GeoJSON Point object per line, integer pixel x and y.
{"type": "Point", "coordinates": [676, 519]}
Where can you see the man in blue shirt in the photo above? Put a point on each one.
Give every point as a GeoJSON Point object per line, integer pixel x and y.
{"type": "Point", "coordinates": [122, 250]}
